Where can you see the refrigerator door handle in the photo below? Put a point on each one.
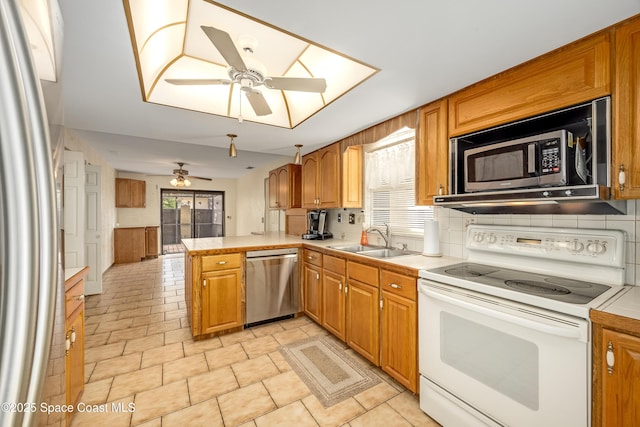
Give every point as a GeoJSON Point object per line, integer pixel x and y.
{"type": "Point", "coordinates": [29, 270]}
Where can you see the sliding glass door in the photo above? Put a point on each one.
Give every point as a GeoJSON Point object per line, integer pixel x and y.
{"type": "Point", "coordinates": [190, 214]}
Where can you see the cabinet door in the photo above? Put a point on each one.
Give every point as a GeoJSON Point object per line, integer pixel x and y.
{"type": "Point", "coordinates": [138, 193]}
{"type": "Point", "coordinates": [273, 189]}
{"type": "Point", "coordinates": [313, 292]}
{"type": "Point", "coordinates": [75, 356]}
{"type": "Point", "coordinates": [352, 177]}
{"type": "Point", "coordinates": [309, 181]}
{"type": "Point", "coordinates": [398, 343]}
{"type": "Point", "coordinates": [333, 303]}
{"type": "Point", "coordinates": [567, 76]}
{"type": "Point", "coordinates": [432, 160]}
{"type": "Point", "coordinates": [129, 244]}
{"type": "Point", "coordinates": [221, 300]}
{"type": "Point", "coordinates": [329, 176]}
{"type": "Point", "coordinates": [626, 110]}
{"type": "Point", "coordinates": [621, 387]}
{"type": "Point", "coordinates": [123, 193]}
{"type": "Point", "coordinates": [363, 309]}
{"type": "Point", "coordinates": [151, 242]}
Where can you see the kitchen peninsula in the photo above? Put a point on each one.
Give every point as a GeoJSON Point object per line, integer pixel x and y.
{"type": "Point", "coordinates": [368, 302]}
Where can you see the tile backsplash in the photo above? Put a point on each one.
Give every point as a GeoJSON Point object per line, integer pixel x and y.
{"type": "Point", "coordinates": [452, 228]}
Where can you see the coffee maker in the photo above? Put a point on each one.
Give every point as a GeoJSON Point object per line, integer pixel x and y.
{"type": "Point", "coordinates": [316, 225]}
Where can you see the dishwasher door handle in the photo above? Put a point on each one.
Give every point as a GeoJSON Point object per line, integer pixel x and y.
{"type": "Point", "coordinates": [267, 258]}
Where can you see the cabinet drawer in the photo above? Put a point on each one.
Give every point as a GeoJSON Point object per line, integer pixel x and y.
{"type": "Point", "coordinates": [220, 262]}
{"type": "Point", "coordinates": [74, 298]}
{"type": "Point", "coordinates": [334, 264]}
{"type": "Point", "coordinates": [363, 273]}
{"type": "Point", "coordinates": [399, 284]}
{"type": "Point", "coordinates": [313, 257]}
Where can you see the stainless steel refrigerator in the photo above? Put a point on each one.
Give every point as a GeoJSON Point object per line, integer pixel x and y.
{"type": "Point", "coordinates": [31, 272]}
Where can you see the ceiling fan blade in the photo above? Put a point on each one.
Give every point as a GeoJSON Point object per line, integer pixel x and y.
{"type": "Point", "coordinates": [300, 84]}
{"type": "Point", "coordinates": [198, 81]}
{"type": "Point", "coordinates": [199, 177]}
{"type": "Point", "coordinates": [258, 103]}
{"type": "Point", "coordinates": [222, 41]}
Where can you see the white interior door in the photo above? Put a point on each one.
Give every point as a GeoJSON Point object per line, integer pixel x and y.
{"type": "Point", "coordinates": [93, 227]}
{"type": "Point", "coordinates": [74, 209]}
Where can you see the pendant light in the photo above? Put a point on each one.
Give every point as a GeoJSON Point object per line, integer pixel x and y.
{"type": "Point", "coordinates": [232, 147]}
{"type": "Point", "coordinates": [298, 159]}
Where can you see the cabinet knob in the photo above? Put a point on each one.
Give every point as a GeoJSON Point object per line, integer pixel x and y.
{"type": "Point", "coordinates": [221, 262]}
{"type": "Point", "coordinates": [79, 298]}
{"type": "Point", "coordinates": [340, 286]}
{"type": "Point", "coordinates": [73, 335]}
{"type": "Point", "coordinates": [611, 358]}
{"type": "Point", "coordinates": [67, 343]}
{"type": "Point", "coordinates": [395, 286]}
{"type": "Point", "coordinates": [204, 283]}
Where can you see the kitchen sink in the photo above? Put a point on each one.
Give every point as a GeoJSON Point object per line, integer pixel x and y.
{"type": "Point", "coordinates": [373, 251]}
{"type": "Point", "coordinates": [386, 253]}
{"type": "Point", "coordinates": [355, 248]}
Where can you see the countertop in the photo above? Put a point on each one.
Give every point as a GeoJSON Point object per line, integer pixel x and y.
{"type": "Point", "coordinates": [71, 272]}
{"type": "Point", "coordinates": [622, 312]}
{"type": "Point", "coordinates": [215, 245]}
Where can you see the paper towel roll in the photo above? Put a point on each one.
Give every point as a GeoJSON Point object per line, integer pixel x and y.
{"type": "Point", "coordinates": [431, 238]}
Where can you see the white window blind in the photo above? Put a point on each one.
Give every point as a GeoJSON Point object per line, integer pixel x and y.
{"type": "Point", "coordinates": [390, 185]}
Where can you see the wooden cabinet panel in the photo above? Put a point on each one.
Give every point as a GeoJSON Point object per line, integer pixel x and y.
{"type": "Point", "coordinates": [620, 387]}
{"type": "Point", "coordinates": [130, 193]}
{"type": "Point", "coordinates": [312, 257]}
{"type": "Point", "coordinates": [333, 303]}
{"type": "Point", "coordinates": [567, 76]}
{"type": "Point", "coordinates": [626, 109]}
{"type": "Point", "coordinates": [399, 338]}
{"type": "Point", "coordinates": [312, 292]}
{"type": "Point", "coordinates": [221, 262]}
{"type": "Point", "coordinates": [310, 180]}
{"type": "Point", "coordinates": [432, 149]}
{"type": "Point", "coordinates": [74, 337]}
{"type": "Point", "coordinates": [352, 177]}
{"type": "Point", "coordinates": [151, 242]}
{"type": "Point", "coordinates": [221, 300]}
{"type": "Point", "coordinates": [129, 244]}
{"type": "Point", "coordinates": [363, 320]}
{"type": "Point", "coordinates": [321, 178]}
{"type": "Point", "coordinates": [399, 284]}
{"type": "Point", "coordinates": [285, 190]}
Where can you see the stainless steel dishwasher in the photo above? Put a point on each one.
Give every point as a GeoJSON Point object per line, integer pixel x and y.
{"type": "Point", "coordinates": [272, 285]}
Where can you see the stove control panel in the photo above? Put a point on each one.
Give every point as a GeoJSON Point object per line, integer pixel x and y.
{"type": "Point", "coordinates": [602, 247]}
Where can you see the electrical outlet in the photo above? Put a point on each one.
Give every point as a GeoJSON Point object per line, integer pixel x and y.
{"type": "Point", "coordinates": [339, 217]}
{"type": "Point", "coordinates": [352, 218]}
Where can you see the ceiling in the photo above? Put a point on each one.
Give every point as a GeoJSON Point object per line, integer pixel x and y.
{"type": "Point", "coordinates": [424, 49]}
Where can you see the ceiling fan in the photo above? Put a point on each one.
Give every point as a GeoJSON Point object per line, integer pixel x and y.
{"type": "Point", "coordinates": [250, 77]}
{"type": "Point", "coordinates": [182, 177]}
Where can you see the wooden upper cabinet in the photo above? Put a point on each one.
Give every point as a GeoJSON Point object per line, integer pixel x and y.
{"type": "Point", "coordinates": [626, 110]}
{"type": "Point", "coordinates": [352, 177]}
{"type": "Point", "coordinates": [566, 76]}
{"type": "Point", "coordinates": [432, 148]}
{"type": "Point", "coordinates": [285, 187]}
{"type": "Point", "coordinates": [321, 178]}
{"type": "Point", "coordinates": [130, 193]}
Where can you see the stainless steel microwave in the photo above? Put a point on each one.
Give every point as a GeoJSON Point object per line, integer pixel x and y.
{"type": "Point", "coordinates": [535, 161]}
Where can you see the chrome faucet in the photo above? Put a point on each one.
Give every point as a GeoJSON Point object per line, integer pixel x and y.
{"type": "Point", "coordinates": [386, 236]}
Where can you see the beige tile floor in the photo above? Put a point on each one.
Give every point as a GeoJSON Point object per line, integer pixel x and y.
{"type": "Point", "coordinates": [139, 354]}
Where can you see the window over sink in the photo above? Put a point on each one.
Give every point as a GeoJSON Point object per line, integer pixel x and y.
{"type": "Point", "coordinates": [390, 185]}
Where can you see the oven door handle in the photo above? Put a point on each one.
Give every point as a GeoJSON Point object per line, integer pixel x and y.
{"type": "Point", "coordinates": [566, 331]}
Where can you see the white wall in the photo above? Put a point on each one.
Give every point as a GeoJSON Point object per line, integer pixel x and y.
{"type": "Point", "coordinates": [73, 142]}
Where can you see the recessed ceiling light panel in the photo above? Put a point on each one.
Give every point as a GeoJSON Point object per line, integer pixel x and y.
{"type": "Point", "coordinates": [203, 56]}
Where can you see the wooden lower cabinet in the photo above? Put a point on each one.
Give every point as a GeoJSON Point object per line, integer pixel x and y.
{"type": "Point", "coordinates": [151, 242]}
{"type": "Point", "coordinates": [333, 296]}
{"type": "Point", "coordinates": [312, 285]}
{"type": "Point", "coordinates": [214, 293]}
{"type": "Point", "coordinates": [363, 310]}
{"type": "Point", "coordinates": [399, 328]}
{"type": "Point", "coordinates": [133, 244]}
{"type": "Point", "coordinates": [616, 367]}
{"type": "Point", "coordinates": [74, 336]}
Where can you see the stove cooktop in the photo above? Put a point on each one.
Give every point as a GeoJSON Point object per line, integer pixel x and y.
{"type": "Point", "coordinates": [545, 286]}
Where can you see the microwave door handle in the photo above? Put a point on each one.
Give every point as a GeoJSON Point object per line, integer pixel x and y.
{"type": "Point", "coordinates": [531, 158]}
{"type": "Point", "coordinates": [562, 331]}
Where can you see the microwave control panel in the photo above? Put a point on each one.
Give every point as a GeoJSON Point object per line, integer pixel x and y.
{"type": "Point", "coordinates": [550, 156]}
